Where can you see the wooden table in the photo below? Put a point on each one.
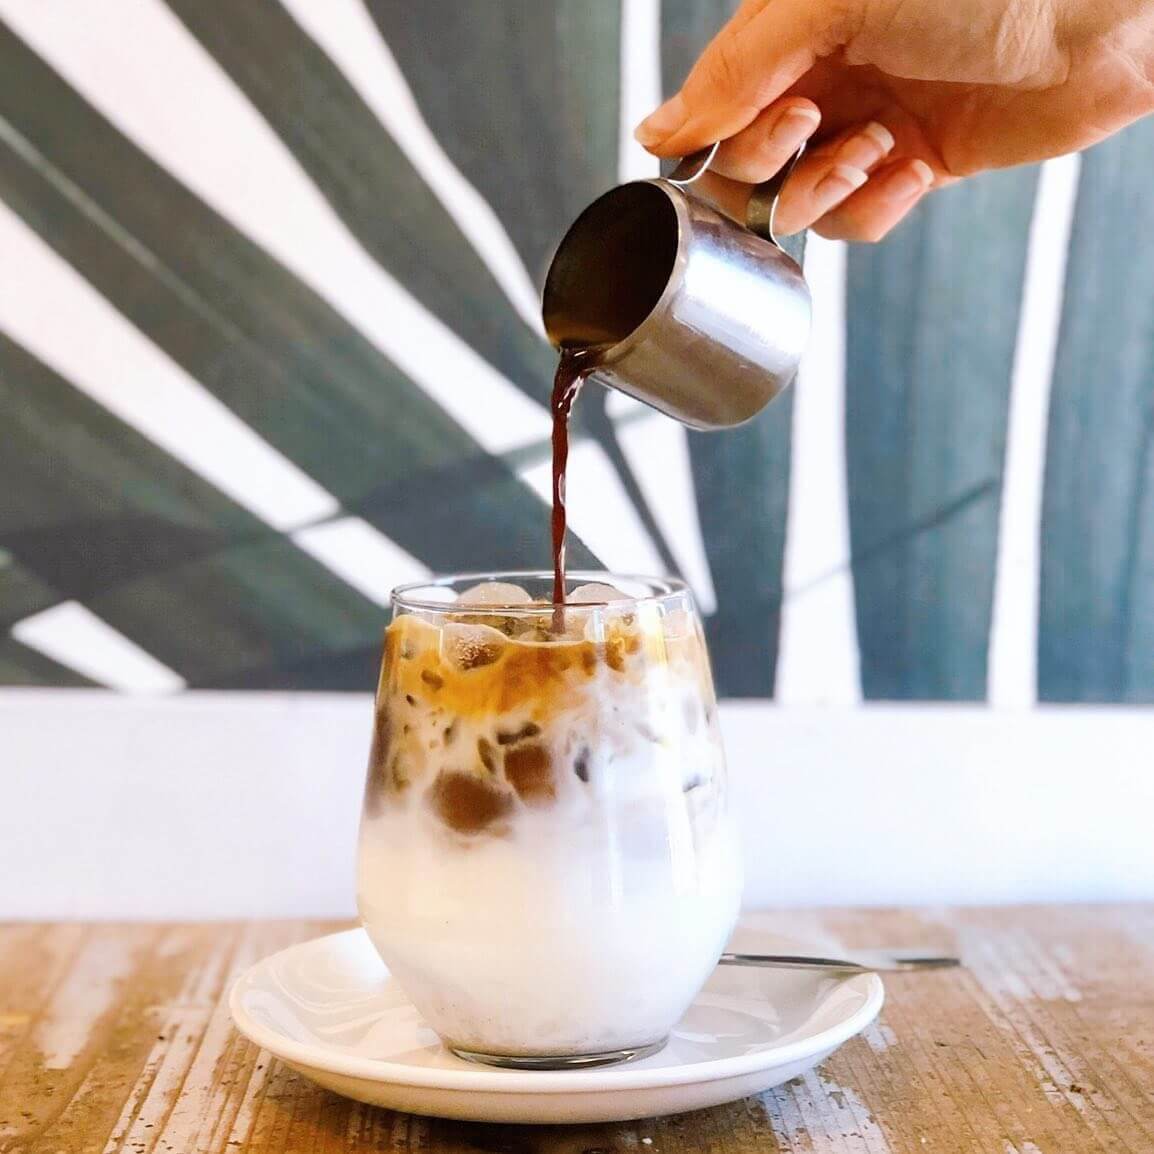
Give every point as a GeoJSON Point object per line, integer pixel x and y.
{"type": "Point", "coordinates": [115, 1038]}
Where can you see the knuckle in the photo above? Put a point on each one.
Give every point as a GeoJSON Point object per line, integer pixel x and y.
{"type": "Point", "coordinates": [844, 20]}
{"type": "Point", "coordinates": [724, 67]}
{"type": "Point", "coordinates": [752, 159]}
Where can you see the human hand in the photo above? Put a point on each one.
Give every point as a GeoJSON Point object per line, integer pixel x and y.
{"type": "Point", "coordinates": [901, 96]}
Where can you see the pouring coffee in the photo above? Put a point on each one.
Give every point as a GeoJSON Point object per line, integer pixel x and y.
{"type": "Point", "coordinates": [689, 311]}
{"type": "Point", "coordinates": [656, 293]}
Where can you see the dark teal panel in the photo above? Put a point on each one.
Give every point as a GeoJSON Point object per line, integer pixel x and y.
{"type": "Point", "coordinates": [742, 483]}
{"type": "Point", "coordinates": [1096, 618]}
{"type": "Point", "coordinates": [242, 613]}
{"type": "Point", "coordinates": [350, 670]}
{"type": "Point", "coordinates": [932, 318]}
{"type": "Point", "coordinates": [249, 331]}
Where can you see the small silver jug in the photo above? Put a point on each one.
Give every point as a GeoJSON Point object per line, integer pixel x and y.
{"type": "Point", "coordinates": [689, 312]}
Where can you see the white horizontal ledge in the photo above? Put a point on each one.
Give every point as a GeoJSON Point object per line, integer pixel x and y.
{"type": "Point", "coordinates": [245, 805]}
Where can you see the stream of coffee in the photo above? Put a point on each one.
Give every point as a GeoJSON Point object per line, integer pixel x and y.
{"type": "Point", "coordinates": [575, 364]}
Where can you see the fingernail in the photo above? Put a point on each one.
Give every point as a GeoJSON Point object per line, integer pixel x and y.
{"type": "Point", "coordinates": [867, 146]}
{"type": "Point", "coordinates": [836, 185]}
{"type": "Point", "coordinates": [795, 125]}
{"type": "Point", "coordinates": [908, 181]}
{"type": "Point", "coordinates": [663, 123]}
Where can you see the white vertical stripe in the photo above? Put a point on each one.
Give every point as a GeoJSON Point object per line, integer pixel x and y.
{"type": "Point", "coordinates": [366, 559]}
{"type": "Point", "coordinates": [60, 318]}
{"type": "Point", "coordinates": [151, 78]}
{"type": "Point", "coordinates": [658, 451]}
{"type": "Point", "coordinates": [1014, 628]}
{"type": "Point", "coordinates": [818, 657]}
{"type": "Point", "coordinates": [640, 83]}
{"type": "Point", "coordinates": [75, 637]}
{"type": "Point", "coordinates": [344, 29]}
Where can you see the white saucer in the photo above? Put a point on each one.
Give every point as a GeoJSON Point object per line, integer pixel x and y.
{"type": "Point", "coordinates": [329, 1009]}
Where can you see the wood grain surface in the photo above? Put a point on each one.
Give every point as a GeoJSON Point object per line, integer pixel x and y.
{"type": "Point", "coordinates": [116, 1038]}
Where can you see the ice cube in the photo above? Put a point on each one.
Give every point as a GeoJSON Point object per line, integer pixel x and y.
{"type": "Point", "coordinates": [595, 593]}
{"type": "Point", "coordinates": [495, 593]}
{"type": "Point", "coordinates": [677, 623]}
{"type": "Point", "coordinates": [413, 635]}
{"type": "Point", "coordinates": [471, 646]}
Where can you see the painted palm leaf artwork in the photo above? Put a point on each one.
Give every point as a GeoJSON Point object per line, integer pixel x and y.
{"type": "Point", "coordinates": [270, 345]}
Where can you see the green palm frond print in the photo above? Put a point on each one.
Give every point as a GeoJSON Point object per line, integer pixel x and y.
{"type": "Point", "coordinates": [269, 346]}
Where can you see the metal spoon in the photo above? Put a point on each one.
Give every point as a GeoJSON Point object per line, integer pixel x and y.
{"type": "Point", "coordinates": [857, 962]}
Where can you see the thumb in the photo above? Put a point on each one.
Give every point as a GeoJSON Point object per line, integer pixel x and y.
{"type": "Point", "coordinates": [745, 68]}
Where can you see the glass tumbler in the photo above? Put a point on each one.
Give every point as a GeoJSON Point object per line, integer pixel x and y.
{"type": "Point", "coordinates": [547, 863]}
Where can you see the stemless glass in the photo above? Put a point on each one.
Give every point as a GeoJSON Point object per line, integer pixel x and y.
{"type": "Point", "coordinates": [547, 863]}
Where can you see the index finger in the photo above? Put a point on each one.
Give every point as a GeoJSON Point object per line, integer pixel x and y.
{"type": "Point", "coordinates": [748, 65]}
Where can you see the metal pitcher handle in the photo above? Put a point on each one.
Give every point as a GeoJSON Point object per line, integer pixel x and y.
{"type": "Point", "coordinates": [762, 207]}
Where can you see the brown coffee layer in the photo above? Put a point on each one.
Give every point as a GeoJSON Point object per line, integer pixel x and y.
{"type": "Point", "coordinates": [468, 710]}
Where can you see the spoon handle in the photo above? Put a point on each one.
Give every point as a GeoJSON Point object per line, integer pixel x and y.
{"type": "Point", "coordinates": [861, 962]}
